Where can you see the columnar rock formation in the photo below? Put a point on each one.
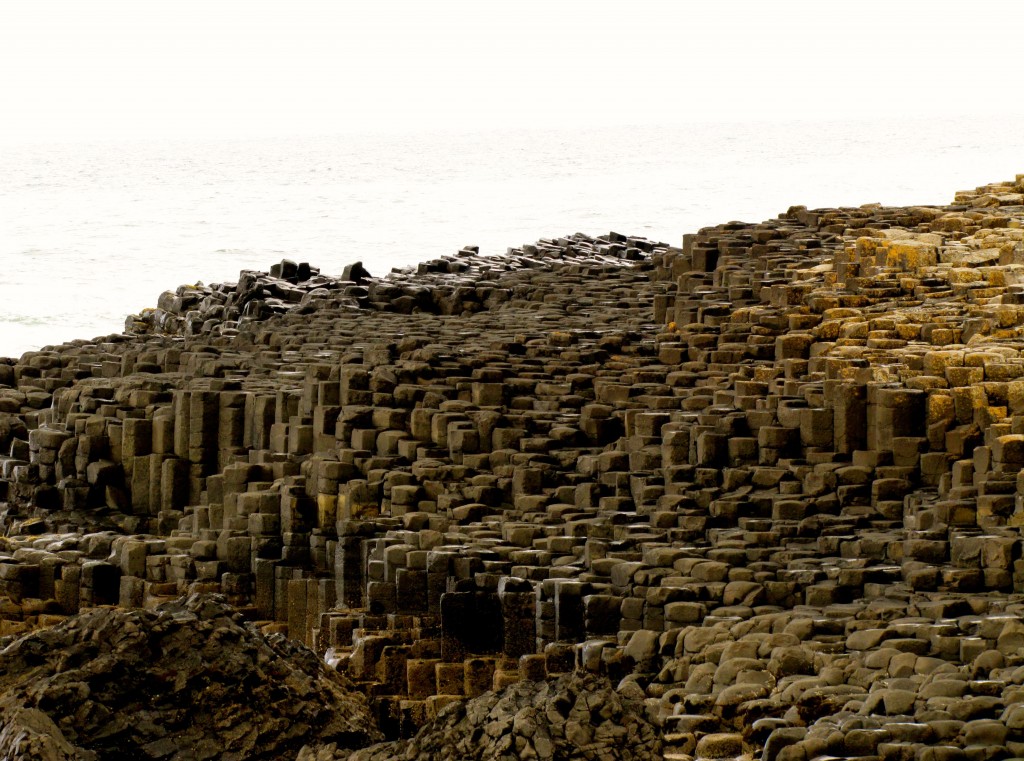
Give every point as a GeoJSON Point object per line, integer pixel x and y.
{"type": "Point", "coordinates": [766, 482]}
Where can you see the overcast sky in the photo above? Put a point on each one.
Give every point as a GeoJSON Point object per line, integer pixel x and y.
{"type": "Point", "coordinates": [138, 69]}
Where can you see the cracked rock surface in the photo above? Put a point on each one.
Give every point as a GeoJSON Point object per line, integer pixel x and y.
{"type": "Point", "coordinates": [187, 681]}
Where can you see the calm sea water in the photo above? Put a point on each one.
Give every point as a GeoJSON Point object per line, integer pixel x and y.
{"type": "Point", "coordinates": [90, 233]}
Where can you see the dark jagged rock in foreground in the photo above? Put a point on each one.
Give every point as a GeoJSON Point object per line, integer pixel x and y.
{"type": "Point", "coordinates": [572, 718]}
{"type": "Point", "coordinates": [187, 681]}
{"type": "Point", "coordinates": [767, 484]}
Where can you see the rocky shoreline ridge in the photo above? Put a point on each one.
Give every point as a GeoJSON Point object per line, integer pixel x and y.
{"type": "Point", "coordinates": [759, 494]}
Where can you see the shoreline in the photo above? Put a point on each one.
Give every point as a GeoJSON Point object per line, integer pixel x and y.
{"type": "Point", "coordinates": [765, 483]}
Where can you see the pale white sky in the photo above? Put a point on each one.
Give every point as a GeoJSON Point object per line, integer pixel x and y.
{"type": "Point", "coordinates": [88, 69]}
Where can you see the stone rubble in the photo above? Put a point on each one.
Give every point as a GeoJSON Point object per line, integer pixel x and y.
{"type": "Point", "coordinates": [187, 681]}
{"type": "Point", "coordinates": [767, 484]}
{"type": "Point", "coordinates": [572, 717]}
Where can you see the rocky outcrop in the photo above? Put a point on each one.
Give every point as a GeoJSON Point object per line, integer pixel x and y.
{"type": "Point", "coordinates": [575, 717]}
{"type": "Point", "coordinates": [766, 483]}
{"type": "Point", "coordinates": [186, 681]}
{"type": "Point", "coordinates": [452, 285]}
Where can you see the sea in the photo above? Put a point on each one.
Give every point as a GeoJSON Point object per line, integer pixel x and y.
{"type": "Point", "coordinates": [92, 232]}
